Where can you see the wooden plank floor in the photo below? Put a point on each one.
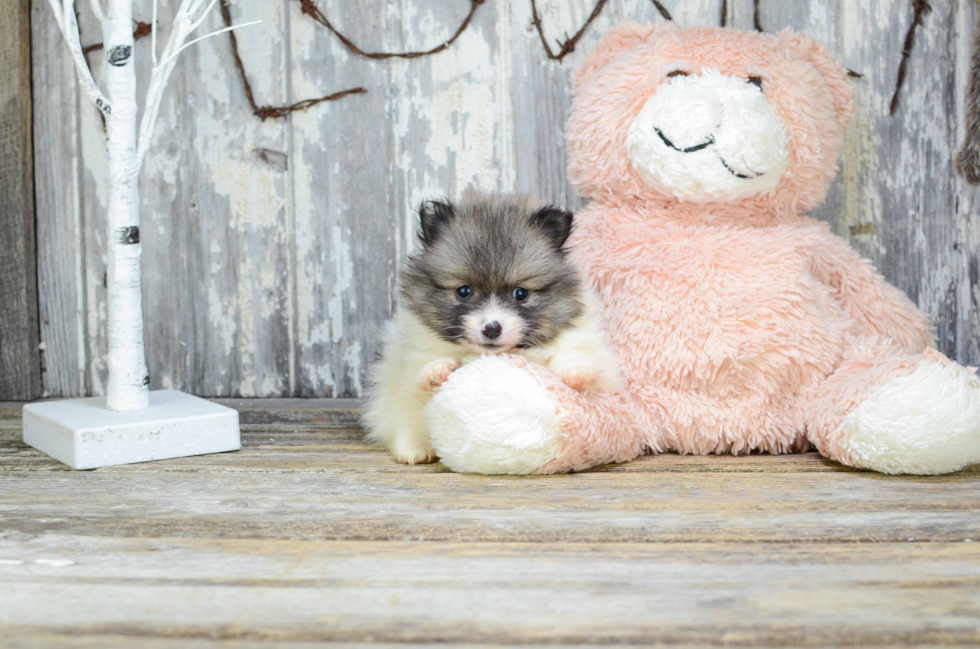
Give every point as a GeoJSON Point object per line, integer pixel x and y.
{"type": "Point", "coordinates": [309, 535]}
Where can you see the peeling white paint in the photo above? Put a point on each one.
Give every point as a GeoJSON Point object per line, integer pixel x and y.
{"type": "Point", "coordinates": [352, 357]}
{"type": "Point", "coordinates": [222, 319]}
{"type": "Point", "coordinates": [343, 271]}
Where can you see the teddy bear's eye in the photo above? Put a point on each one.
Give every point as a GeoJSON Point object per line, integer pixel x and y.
{"type": "Point", "coordinates": [756, 81]}
{"type": "Point", "coordinates": [677, 73]}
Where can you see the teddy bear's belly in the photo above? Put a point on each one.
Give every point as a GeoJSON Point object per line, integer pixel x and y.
{"type": "Point", "coordinates": [727, 333]}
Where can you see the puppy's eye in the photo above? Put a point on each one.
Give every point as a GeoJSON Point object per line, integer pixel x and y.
{"type": "Point", "coordinates": [464, 292]}
{"type": "Point", "coordinates": [756, 81]}
{"type": "Point", "coordinates": [520, 294]}
{"type": "Point", "coordinates": [677, 73]}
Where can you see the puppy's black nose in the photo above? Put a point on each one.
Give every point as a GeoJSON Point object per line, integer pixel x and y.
{"type": "Point", "coordinates": [492, 330]}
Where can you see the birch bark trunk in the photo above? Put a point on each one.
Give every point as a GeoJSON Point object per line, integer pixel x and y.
{"type": "Point", "coordinates": [129, 383]}
{"type": "Point", "coordinates": [128, 387]}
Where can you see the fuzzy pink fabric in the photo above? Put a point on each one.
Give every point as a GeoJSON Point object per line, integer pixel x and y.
{"type": "Point", "coordinates": [807, 89]}
{"type": "Point", "coordinates": [739, 326]}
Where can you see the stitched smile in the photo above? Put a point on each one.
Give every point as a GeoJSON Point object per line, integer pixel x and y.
{"type": "Point", "coordinates": [690, 149]}
{"type": "Point", "coordinates": [705, 145]}
{"type": "Point", "coordinates": [737, 174]}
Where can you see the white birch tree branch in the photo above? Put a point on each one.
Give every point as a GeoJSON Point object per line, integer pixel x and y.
{"type": "Point", "coordinates": [153, 34]}
{"type": "Point", "coordinates": [209, 35]}
{"type": "Point", "coordinates": [128, 386]}
{"type": "Point", "coordinates": [129, 383]}
{"type": "Point", "coordinates": [98, 11]}
{"type": "Point", "coordinates": [185, 22]}
{"type": "Point", "coordinates": [64, 15]}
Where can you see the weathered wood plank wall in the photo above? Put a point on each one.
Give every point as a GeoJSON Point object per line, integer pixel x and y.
{"type": "Point", "coordinates": [20, 364]}
{"type": "Point", "coordinates": [270, 248]}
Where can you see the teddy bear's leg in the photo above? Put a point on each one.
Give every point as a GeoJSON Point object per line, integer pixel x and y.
{"type": "Point", "coordinates": [897, 413]}
{"type": "Point", "coordinates": [502, 414]}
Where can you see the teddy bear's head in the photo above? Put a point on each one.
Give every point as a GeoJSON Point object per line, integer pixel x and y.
{"type": "Point", "coordinates": [708, 116]}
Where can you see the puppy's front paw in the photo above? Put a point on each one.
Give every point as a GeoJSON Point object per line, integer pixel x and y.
{"type": "Point", "coordinates": [579, 378]}
{"type": "Point", "coordinates": [413, 453]}
{"type": "Point", "coordinates": [437, 372]}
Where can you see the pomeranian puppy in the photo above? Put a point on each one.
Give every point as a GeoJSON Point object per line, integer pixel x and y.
{"type": "Point", "coordinates": [491, 277]}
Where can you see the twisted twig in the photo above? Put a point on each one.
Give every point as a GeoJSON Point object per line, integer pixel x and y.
{"type": "Point", "coordinates": [264, 112]}
{"type": "Point", "coordinates": [921, 8]}
{"type": "Point", "coordinates": [663, 11]}
{"type": "Point", "coordinates": [142, 29]}
{"type": "Point", "coordinates": [569, 45]}
{"type": "Point", "coordinates": [310, 9]}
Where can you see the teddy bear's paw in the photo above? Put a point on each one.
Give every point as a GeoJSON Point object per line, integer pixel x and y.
{"type": "Point", "coordinates": [925, 423]}
{"type": "Point", "coordinates": [492, 417]}
{"type": "Point", "coordinates": [435, 373]}
{"type": "Point", "coordinates": [413, 452]}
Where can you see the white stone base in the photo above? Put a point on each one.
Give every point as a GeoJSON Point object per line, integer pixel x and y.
{"type": "Point", "coordinates": [83, 434]}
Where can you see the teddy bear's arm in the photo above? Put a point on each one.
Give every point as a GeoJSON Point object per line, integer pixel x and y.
{"type": "Point", "coordinates": [879, 307]}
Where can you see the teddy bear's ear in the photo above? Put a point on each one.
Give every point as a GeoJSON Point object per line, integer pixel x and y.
{"type": "Point", "coordinates": [617, 40]}
{"type": "Point", "coordinates": [834, 75]}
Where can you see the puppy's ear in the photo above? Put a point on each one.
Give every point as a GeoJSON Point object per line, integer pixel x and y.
{"type": "Point", "coordinates": [434, 216]}
{"type": "Point", "coordinates": [555, 222]}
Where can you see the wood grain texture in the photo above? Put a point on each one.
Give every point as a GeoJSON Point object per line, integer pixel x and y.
{"type": "Point", "coordinates": [401, 592]}
{"type": "Point", "coordinates": [20, 363]}
{"type": "Point", "coordinates": [61, 273]}
{"type": "Point", "coordinates": [309, 535]}
{"type": "Point", "coordinates": [306, 473]}
{"type": "Point", "coordinates": [271, 248]}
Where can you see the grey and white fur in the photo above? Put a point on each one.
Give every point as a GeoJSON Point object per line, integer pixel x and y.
{"type": "Point", "coordinates": [492, 276]}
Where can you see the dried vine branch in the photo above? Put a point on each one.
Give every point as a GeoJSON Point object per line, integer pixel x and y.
{"type": "Point", "coordinates": [920, 8]}
{"type": "Point", "coordinates": [310, 9]}
{"type": "Point", "coordinates": [142, 29]}
{"type": "Point", "coordinates": [663, 11]}
{"type": "Point", "coordinates": [265, 112]}
{"type": "Point", "coordinates": [569, 45]}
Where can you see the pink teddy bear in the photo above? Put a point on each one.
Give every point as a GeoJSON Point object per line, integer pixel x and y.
{"type": "Point", "coordinates": [739, 323]}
